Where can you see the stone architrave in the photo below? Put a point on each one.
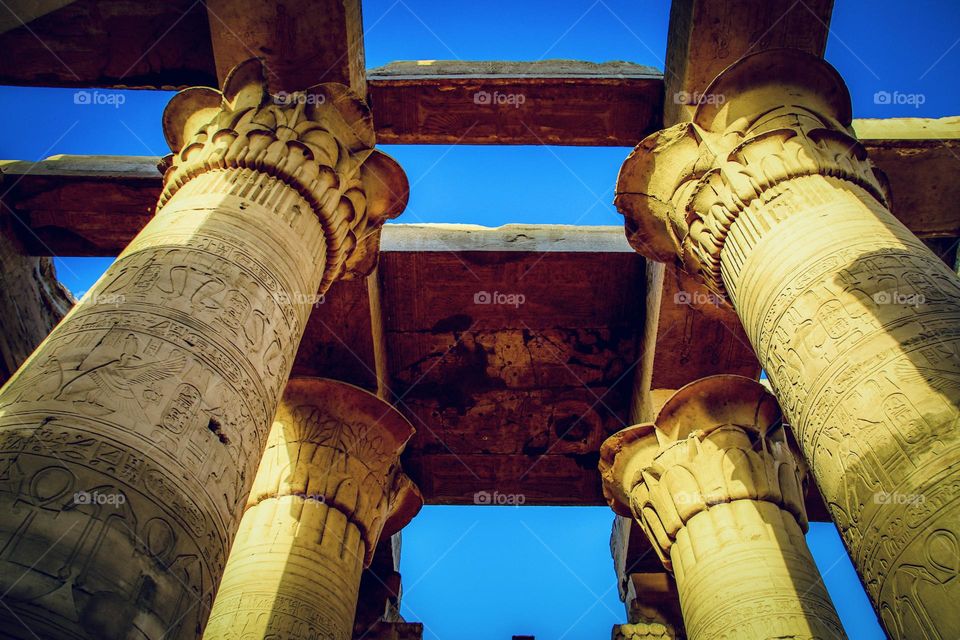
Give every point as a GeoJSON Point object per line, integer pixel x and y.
{"type": "Point", "coordinates": [329, 486]}
{"type": "Point", "coordinates": [769, 199]}
{"type": "Point", "coordinates": [130, 438]}
{"type": "Point", "coordinates": [718, 491]}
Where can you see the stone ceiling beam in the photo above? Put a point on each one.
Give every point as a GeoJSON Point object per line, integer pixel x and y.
{"type": "Point", "coordinates": [110, 43]}
{"type": "Point", "coordinates": [21, 12]}
{"type": "Point", "coordinates": [301, 43]}
{"type": "Point", "coordinates": [561, 102]}
{"type": "Point", "coordinates": [94, 205]}
{"type": "Point", "coordinates": [707, 36]}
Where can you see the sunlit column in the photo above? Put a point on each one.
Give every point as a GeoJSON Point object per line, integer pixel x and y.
{"type": "Point", "coordinates": [768, 198]}
{"type": "Point", "coordinates": [717, 490]}
{"type": "Point", "coordinates": [130, 438]}
{"type": "Point", "coordinates": [328, 487]}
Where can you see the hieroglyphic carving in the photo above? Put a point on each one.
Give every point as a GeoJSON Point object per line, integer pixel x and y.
{"type": "Point", "coordinates": [774, 204]}
{"type": "Point", "coordinates": [328, 486]}
{"type": "Point", "coordinates": [155, 394]}
{"type": "Point", "coordinates": [719, 493]}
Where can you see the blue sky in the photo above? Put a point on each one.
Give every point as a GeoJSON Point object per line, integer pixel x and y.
{"type": "Point", "coordinates": [490, 572]}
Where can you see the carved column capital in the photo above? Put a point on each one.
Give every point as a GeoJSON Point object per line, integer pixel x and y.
{"type": "Point", "coordinates": [718, 491]}
{"type": "Point", "coordinates": [319, 142]}
{"type": "Point", "coordinates": [651, 630]}
{"type": "Point", "coordinates": [329, 485]}
{"type": "Point", "coordinates": [774, 116]}
{"type": "Point", "coordinates": [339, 445]}
{"type": "Point", "coordinates": [715, 441]}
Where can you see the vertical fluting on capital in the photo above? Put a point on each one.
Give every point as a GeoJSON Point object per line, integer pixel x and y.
{"type": "Point", "coordinates": [328, 487]}
{"type": "Point", "coordinates": [718, 491]}
{"type": "Point", "coordinates": [650, 630]}
{"type": "Point", "coordinates": [130, 438]}
{"type": "Point", "coordinates": [773, 203]}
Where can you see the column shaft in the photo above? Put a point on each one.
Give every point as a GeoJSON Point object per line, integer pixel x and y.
{"type": "Point", "coordinates": [859, 332]}
{"type": "Point", "coordinates": [294, 570]}
{"type": "Point", "coordinates": [719, 493]}
{"type": "Point", "coordinates": [743, 570]}
{"type": "Point", "coordinates": [130, 437]}
{"type": "Point", "coordinates": [772, 203]}
{"type": "Point", "coordinates": [328, 484]}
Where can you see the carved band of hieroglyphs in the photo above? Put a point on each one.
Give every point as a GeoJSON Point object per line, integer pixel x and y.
{"type": "Point", "coordinates": [43, 489]}
{"type": "Point", "coordinates": [857, 324]}
{"type": "Point", "coordinates": [172, 365]}
{"type": "Point", "coordinates": [153, 398]}
{"type": "Point", "coordinates": [851, 332]}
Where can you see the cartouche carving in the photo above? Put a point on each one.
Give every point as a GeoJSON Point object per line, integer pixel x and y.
{"type": "Point", "coordinates": [328, 487]}
{"type": "Point", "coordinates": [130, 438]}
{"type": "Point", "coordinates": [771, 201]}
{"type": "Point", "coordinates": [719, 493]}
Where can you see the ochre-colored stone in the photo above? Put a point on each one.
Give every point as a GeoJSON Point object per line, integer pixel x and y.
{"type": "Point", "coordinates": [643, 631]}
{"type": "Point", "coordinates": [771, 201]}
{"type": "Point", "coordinates": [328, 486]}
{"type": "Point", "coordinates": [32, 301]}
{"type": "Point", "coordinates": [130, 437]}
{"type": "Point", "coordinates": [717, 489]}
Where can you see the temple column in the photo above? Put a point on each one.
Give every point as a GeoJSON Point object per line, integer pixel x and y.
{"type": "Point", "coordinates": [32, 300]}
{"type": "Point", "coordinates": [714, 485]}
{"type": "Point", "coordinates": [768, 199]}
{"type": "Point", "coordinates": [130, 438]}
{"type": "Point", "coordinates": [329, 486]}
{"type": "Point", "coordinates": [653, 611]}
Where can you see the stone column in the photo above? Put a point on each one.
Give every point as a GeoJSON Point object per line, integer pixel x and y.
{"type": "Point", "coordinates": [329, 486]}
{"type": "Point", "coordinates": [768, 199]}
{"type": "Point", "coordinates": [130, 438]}
{"type": "Point", "coordinates": [649, 630]}
{"type": "Point", "coordinates": [714, 485]}
{"type": "Point", "coordinates": [653, 604]}
{"type": "Point", "coordinates": [32, 300]}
